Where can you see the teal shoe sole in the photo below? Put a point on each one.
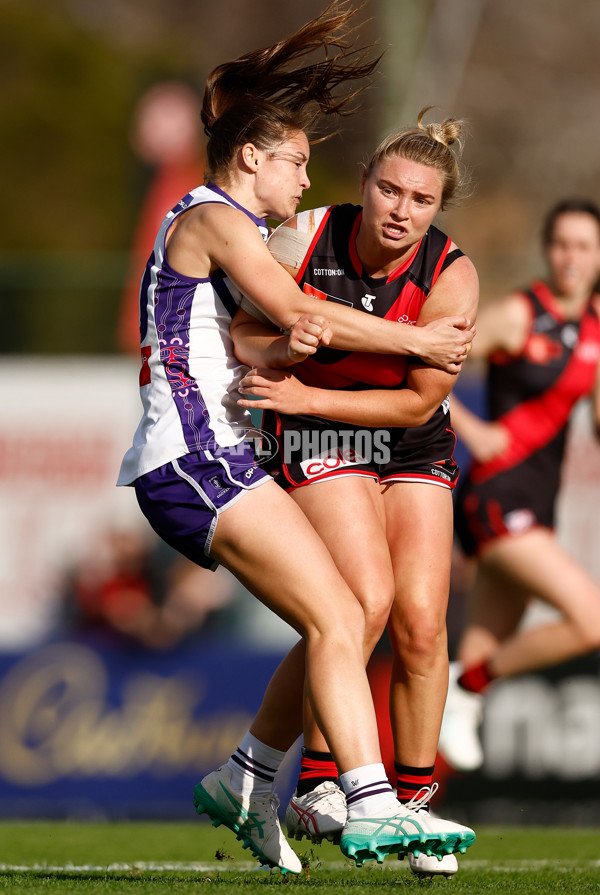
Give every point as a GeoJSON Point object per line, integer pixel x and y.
{"type": "Point", "coordinates": [362, 848]}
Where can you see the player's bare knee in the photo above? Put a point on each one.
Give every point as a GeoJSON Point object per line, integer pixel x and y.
{"type": "Point", "coordinates": [419, 641]}
{"type": "Point", "coordinates": [344, 626]}
{"type": "Point", "coordinates": [376, 613]}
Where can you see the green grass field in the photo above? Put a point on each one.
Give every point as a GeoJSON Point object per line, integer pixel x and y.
{"type": "Point", "coordinates": [194, 857]}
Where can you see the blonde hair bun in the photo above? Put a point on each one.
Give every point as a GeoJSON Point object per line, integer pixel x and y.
{"type": "Point", "coordinates": [447, 132]}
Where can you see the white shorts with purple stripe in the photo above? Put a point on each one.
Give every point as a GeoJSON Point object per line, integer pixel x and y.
{"type": "Point", "coordinates": [182, 500]}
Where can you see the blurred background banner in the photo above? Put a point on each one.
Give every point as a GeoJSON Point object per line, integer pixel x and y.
{"type": "Point", "coordinates": [65, 424]}
{"type": "Point", "coordinates": [92, 731]}
{"type": "Point", "coordinates": [119, 662]}
{"type": "Point", "coordinates": [77, 554]}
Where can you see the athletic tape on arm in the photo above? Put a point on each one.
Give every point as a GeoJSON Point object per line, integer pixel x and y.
{"type": "Point", "coordinates": [289, 247]}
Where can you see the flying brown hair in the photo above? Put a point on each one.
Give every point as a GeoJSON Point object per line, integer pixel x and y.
{"type": "Point", "coordinates": [264, 95]}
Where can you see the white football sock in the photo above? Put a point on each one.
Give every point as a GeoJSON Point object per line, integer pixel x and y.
{"type": "Point", "coordinates": [253, 766]}
{"type": "Point", "coordinates": [367, 790]}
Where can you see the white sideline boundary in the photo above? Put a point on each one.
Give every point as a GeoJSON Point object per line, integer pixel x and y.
{"type": "Point", "coordinates": [144, 866]}
{"type": "Point", "coordinates": [248, 866]}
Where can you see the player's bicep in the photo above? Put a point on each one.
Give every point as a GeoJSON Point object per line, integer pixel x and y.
{"type": "Point", "coordinates": [246, 260]}
{"type": "Point", "coordinates": [456, 292]}
{"type": "Point", "coordinates": [503, 324]}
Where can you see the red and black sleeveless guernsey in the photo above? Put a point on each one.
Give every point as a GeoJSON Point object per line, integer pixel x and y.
{"type": "Point", "coordinates": [532, 395]}
{"type": "Point", "coordinates": [332, 271]}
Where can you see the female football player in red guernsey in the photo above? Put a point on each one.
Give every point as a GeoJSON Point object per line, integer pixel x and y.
{"type": "Point", "coordinates": [542, 346]}
{"type": "Point", "coordinates": [196, 477]}
{"type": "Point", "coordinates": [366, 449]}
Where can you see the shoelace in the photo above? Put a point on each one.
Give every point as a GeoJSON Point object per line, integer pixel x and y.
{"type": "Point", "coordinates": [328, 797]}
{"type": "Point", "coordinates": [266, 802]}
{"type": "Point", "coordinates": [267, 813]}
{"type": "Point", "coordinates": [422, 797]}
{"type": "Point", "coordinates": [273, 801]}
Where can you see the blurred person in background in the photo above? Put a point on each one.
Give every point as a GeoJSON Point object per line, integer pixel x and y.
{"type": "Point", "coordinates": [387, 259]}
{"type": "Point", "coordinates": [542, 346]}
{"type": "Point", "coordinates": [137, 591]}
{"type": "Point", "coordinates": [195, 476]}
{"type": "Point", "coordinates": [165, 134]}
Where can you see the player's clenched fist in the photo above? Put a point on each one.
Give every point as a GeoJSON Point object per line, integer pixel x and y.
{"type": "Point", "coordinates": [306, 335]}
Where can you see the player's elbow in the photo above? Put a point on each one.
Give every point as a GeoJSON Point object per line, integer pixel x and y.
{"type": "Point", "coordinates": [241, 345]}
{"type": "Point", "coordinates": [421, 415]}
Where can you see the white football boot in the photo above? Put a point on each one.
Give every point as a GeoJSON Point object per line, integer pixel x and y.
{"type": "Point", "coordinates": [398, 829]}
{"type": "Point", "coordinates": [459, 737]}
{"type": "Point", "coordinates": [318, 815]}
{"type": "Point", "coordinates": [428, 866]}
{"type": "Point", "coordinates": [253, 819]}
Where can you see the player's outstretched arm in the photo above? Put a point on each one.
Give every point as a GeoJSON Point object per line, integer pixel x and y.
{"type": "Point", "coordinates": [268, 288]}
{"type": "Point", "coordinates": [502, 326]}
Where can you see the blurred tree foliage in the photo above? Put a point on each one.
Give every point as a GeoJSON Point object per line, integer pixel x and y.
{"type": "Point", "coordinates": [72, 186]}
{"type": "Point", "coordinates": [63, 120]}
{"type": "Point", "coordinates": [526, 77]}
{"type": "Point", "coordinates": [62, 111]}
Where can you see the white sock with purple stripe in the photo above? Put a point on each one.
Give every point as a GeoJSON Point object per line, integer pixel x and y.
{"type": "Point", "coordinates": [253, 767]}
{"type": "Point", "coordinates": [367, 790]}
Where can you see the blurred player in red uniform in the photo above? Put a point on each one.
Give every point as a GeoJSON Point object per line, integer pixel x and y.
{"type": "Point", "coordinates": [542, 346]}
{"type": "Point", "coordinates": [165, 133]}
